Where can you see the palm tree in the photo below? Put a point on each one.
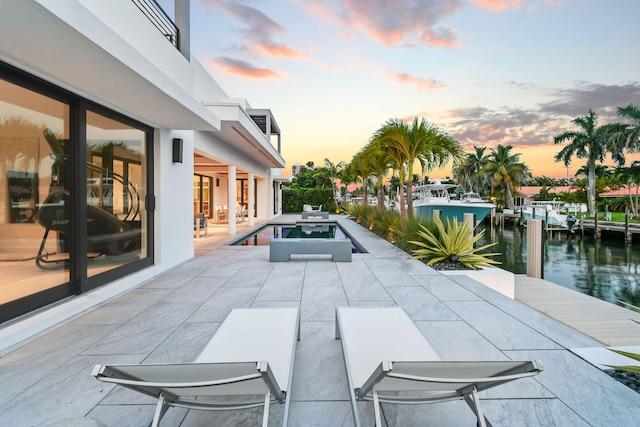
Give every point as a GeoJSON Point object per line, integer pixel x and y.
{"type": "Point", "coordinates": [422, 142]}
{"type": "Point", "coordinates": [360, 166]}
{"type": "Point", "coordinates": [467, 171]}
{"type": "Point", "coordinates": [390, 139]}
{"type": "Point", "coordinates": [633, 131]}
{"type": "Point", "coordinates": [505, 172]}
{"type": "Point", "coordinates": [630, 176]}
{"type": "Point", "coordinates": [380, 163]}
{"type": "Point", "coordinates": [334, 171]}
{"type": "Point", "coordinates": [592, 142]}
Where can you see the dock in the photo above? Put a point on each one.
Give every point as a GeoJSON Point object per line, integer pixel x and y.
{"type": "Point", "coordinates": [585, 227]}
{"type": "Point", "coordinates": [603, 321]}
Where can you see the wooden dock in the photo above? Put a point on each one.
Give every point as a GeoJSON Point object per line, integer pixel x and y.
{"type": "Point", "coordinates": [584, 227]}
{"type": "Point", "coordinates": [608, 323]}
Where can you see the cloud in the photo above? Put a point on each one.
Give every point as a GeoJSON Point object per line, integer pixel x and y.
{"type": "Point", "coordinates": [280, 50]}
{"type": "Point", "coordinates": [259, 25]}
{"type": "Point", "coordinates": [554, 3]}
{"type": "Point", "coordinates": [243, 68]}
{"type": "Point", "coordinates": [443, 37]}
{"type": "Point", "coordinates": [499, 5]}
{"type": "Point", "coordinates": [423, 85]}
{"type": "Point", "coordinates": [603, 99]}
{"type": "Point", "coordinates": [392, 22]}
{"type": "Point", "coordinates": [538, 125]}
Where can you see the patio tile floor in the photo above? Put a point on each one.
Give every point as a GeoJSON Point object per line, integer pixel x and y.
{"type": "Point", "coordinates": [46, 380]}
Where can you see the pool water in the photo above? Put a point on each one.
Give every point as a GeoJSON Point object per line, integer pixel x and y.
{"type": "Point", "coordinates": [263, 236]}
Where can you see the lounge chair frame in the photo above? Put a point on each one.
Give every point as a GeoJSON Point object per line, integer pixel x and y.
{"type": "Point", "coordinates": [432, 380]}
{"type": "Point", "coordinates": [188, 384]}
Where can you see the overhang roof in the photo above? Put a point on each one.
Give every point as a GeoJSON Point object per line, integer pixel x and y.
{"type": "Point", "coordinates": [34, 39]}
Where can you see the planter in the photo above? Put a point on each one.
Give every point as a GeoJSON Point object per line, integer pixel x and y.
{"type": "Point", "coordinates": [495, 278]}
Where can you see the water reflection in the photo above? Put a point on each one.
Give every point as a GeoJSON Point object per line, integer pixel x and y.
{"type": "Point", "coordinates": [606, 269]}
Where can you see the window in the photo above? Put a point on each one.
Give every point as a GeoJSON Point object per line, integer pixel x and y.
{"type": "Point", "coordinates": [58, 236]}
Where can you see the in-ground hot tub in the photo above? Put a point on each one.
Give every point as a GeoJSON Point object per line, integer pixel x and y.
{"type": "Point", "coordinates": [324, 230]}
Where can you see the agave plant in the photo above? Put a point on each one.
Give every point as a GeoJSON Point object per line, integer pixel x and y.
{"type": "Point", "coordinates": [454, 242]}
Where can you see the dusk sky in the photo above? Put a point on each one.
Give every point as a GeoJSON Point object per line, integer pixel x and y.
{"type": "Point", "coordinates": [489, 72]}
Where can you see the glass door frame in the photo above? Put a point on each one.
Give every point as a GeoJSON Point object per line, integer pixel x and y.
{"type": "Point", "coordinates": [78, 280]}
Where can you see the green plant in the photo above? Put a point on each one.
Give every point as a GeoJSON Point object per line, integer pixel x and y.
{"type": "Point", "coordinates": [634, 356]}
{"type": "Point", "coordinates": [455, 242]}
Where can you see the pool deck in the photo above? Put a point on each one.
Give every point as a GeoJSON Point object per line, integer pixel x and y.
{"type": "Point", "coordinates": [46, 379]}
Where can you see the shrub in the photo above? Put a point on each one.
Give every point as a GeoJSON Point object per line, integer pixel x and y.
{"type": "Point", "coordinates": [453, 243]}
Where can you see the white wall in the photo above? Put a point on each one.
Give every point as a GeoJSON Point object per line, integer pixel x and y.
{"type": "Point", "coordinates": [174, 200]}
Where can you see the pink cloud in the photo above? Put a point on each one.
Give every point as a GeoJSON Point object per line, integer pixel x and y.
{"type": "Point", "coordinates": [280, 50]}
{"type": "Point", "coordinates": [444, 37]}
{"type": "Point", "coordinates": [423, 85]}
{"type": "Point", "coordinates": [243, 68]}
{"type": "Point", "coordinates": [499, 5]}
{"type": "Point", "coordinates": [391, 22]}
{"type": "Point", "coordinates": [260, 32]}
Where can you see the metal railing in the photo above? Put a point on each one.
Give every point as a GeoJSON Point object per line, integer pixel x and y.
{"type": "Point", "coordinates": [158, 17]}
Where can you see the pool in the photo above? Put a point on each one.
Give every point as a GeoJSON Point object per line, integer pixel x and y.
{"type": "Point", "coordinates": [263, 236]}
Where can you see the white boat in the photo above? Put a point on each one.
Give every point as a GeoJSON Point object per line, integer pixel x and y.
{"type": "Point", "coordinates": [548, 211]}
{"type": "Point", "coordinates": [371, 201]}
{"type": "Point", "coordinates": [435, 196]}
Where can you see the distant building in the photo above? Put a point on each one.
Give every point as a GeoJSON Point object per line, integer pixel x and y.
{"type": "Point", "coordinates": [295, 169]}
{"type": "Point", "coordinates": [527, 193]}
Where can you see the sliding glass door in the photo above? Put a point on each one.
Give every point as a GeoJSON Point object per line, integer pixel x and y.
{"type": "Point", "coordinates": [75, 194]}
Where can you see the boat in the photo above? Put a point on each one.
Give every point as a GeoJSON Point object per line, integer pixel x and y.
{"type": "Point", "coordinates": [435, 196]}
{"type": "Point", "coordinates": [548, 211]}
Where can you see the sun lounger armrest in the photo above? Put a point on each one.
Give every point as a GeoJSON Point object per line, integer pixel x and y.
{"type": "Point", "coordinates": [378, 375]}
{"type": "Point", "coordinates": [502, 372]}
{"type": "Point", "coordinates": [117, 374]}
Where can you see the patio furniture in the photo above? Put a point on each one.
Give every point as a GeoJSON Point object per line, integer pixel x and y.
{"type": "Point", "coordinates": [240, 213]}
{"type": "Point", "coordinates": [315, 214]}
{"type": "Point", "coordinates": [388, 360]}
{"type": "Point", "coordinates": [250, 355]}
{"type": "Point", "coordinates": [311, 208]}
{"type": "Point", "coordinates": [222, 214]}
{"type": "Point", "coordinates": [280, 250]}
{"type": "Point", "coordinates": [200, 224]}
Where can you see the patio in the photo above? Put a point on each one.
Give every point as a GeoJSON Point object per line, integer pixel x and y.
{"type": "Point", "coordinates": [46, 381]}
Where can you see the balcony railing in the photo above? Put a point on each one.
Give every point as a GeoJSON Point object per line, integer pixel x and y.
{"type": "Point", "coordinates": [160, 19]}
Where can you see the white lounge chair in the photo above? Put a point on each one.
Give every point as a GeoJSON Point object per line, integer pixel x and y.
{"type": "Point", "coordinates": [311, 208]}
{"type": "Point", "coordinates": [388, 360]}
{"type": "Point", "coordinates": [250, 355]}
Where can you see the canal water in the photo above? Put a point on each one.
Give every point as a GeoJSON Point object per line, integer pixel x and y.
{"type": "Point", "coordinates": [607, 269]}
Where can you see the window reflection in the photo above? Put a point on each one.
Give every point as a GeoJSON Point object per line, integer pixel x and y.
{"type": "Point", "coordinates": [115, 193]}
{"type": "Point", "coordinates": [30, 181]}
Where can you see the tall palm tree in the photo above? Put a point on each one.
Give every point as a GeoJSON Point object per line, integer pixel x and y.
{"type": "Point", "coordinates": [506, 172]}
{"type": "Point", "coordinates": [334, 171]}
{"type": "Point", "coordinates": [360, 166]}
{"type": "Point", "coordinates": [467, 170]}
{"type": "Point", "coordinates": [421, 142]}
{"type": "Point", "coordinates": [632, 113]}
{"type": "Point", "coordinates": [630, 176]}
{"type": "Point", "coordinates": [591, 142]}
{"type": "Point", "coordinates": [380, 163]}
{"type": "Point", "coordinates": [391, 139]}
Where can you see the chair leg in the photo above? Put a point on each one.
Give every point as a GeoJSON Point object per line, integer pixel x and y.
{"type": "Point", "coordinates": [265, 414]}
{"type": "Point", "coordinates": [474, 404]}
{"type": "Point", "coordinates": [376, 407]}
{"type": "Point", "coordinates": [161, 409]}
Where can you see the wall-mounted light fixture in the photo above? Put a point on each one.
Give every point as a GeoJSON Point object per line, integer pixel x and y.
{"type": "Point", "coordinates": [217, 182]}
{"type": "Point", "coordinates": [177, 150]}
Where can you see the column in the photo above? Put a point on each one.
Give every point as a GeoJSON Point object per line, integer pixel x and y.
{"type": "Point", "coordinates": [232, 199]}
{"type": "Point", "coordinates": [252, 200]}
